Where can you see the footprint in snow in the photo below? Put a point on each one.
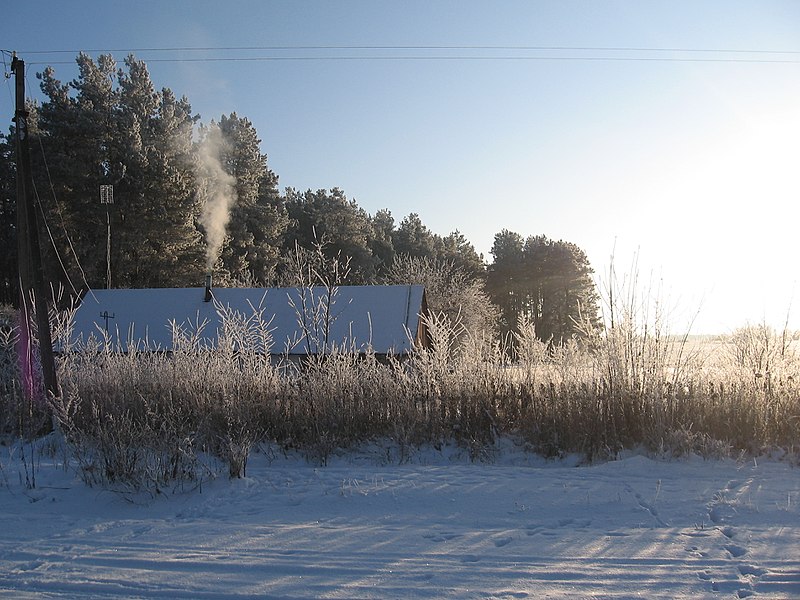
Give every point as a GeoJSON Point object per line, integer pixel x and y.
{"type": "Point", "coordinates": [704, 575]}
{"type": "Point", "coordinates": [138, 531]}
{"type": "Point", "coordinates": [735, 551]}
{"type": "Point", "coordinates": [751, 570]}
{"type": "Point", "coordinates": [728, 532]}
{"type": "Point", "coordinates": [31, 566]}
{"type": "Point", "coordinates": [721, 513]}
{"type": "Point", "coordinates": [533, 529]}
{"type": "Point", "coordinates": [576, 522]}
{"type": "Point", "coordinates": [695, 534]}
{"type": "Point", "coordinates": [695, 551]}
{"type": "Point", "coordinates": [440, 537]}
{"type": "Point", "coordinates": [503, 541]}
{"type": "Point", "coordinates": [549, 533]}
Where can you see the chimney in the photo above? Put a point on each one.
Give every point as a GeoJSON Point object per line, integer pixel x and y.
{"type": "Point", "coordinates": [208, 295]}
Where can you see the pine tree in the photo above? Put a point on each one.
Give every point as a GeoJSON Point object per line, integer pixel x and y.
{"type": "Point", "coordinates": [74, 128]}
{"type": "Point", "coordinates": [381, 243]}
{"type": "Point", "coordinates": [506, 278]}
{"type": "Point", "coordinates": [258, 218]}
{"type": "Point", "coordinates": [457, 249]}
{"type": "Point", "coordinates": [549, 283]}
{"type": "Point", "coordinates": [413, 238]}
{"type": "Point", "coordinates": [110, 127]}
{"type": "Point", "coordinates": [158, 243]}
{"type": "Point", "coordinates": [343, 229]}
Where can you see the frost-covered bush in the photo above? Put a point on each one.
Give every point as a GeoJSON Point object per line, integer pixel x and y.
{"type": "Point", "coordinates": [22, 413]}
{"type": "Point", "coordinates": [9, 370]}
{"type": "Point", "coordinates": [150, 420]}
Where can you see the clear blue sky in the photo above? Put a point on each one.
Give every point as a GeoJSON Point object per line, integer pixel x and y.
{"type": "Point", "coordinates": [692, 164]}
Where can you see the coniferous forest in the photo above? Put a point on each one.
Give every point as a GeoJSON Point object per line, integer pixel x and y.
{"type": "Point", "coordinates": [194, 195]}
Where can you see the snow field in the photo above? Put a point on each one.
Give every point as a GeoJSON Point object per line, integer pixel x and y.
{"type": "Point", "coordinates": [438, 528]}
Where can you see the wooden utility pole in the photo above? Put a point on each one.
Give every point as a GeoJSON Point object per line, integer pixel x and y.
{"type": "Point", "coordinates": [33, 292]}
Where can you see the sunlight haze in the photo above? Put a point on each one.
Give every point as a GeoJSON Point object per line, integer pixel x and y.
{"type": "Point", "coordinates": [678, 155]}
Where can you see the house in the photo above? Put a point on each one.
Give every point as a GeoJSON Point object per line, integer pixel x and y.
{"type": "Point", "coordinates": [300, 321]}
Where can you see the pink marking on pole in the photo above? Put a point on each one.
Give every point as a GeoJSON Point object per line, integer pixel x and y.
{"type": "Point", "coordinates": [25, 355]}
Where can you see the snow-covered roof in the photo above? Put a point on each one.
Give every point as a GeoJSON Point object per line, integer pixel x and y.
{"type": "Point", "coordinates": [385, 319]}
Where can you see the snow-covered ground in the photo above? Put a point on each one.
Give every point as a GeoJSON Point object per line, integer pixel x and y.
{"type": "Point", "coordinates": [439, 527]}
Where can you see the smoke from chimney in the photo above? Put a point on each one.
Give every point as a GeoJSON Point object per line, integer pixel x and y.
{"type": "Point", "coordinates": [217, 189]}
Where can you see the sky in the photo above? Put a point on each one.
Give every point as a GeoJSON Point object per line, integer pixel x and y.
{"type": "Point", "coordinates": [675, 163]}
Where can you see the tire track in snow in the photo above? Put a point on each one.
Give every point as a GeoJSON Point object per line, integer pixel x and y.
{"type": "Point", "coordinates": [443, 532]}
{"type": "Point", "coordinates": [136, 570]}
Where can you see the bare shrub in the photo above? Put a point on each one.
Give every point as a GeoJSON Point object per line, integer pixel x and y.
{"type": "Point", "coordinates": [23, 406]}
{"type": "Point", "coordinates": [761, 352]}
{"type": "Point", "coordinates": [10, 393]}
{"type": "Point", "coordinates": [125, 421]}
{"type": "Point", "coordinates": [450, 290]}
{"type": "Point", "coordinates": [678, 443]}
{"type": "Point", "coordinates": [146, 420]}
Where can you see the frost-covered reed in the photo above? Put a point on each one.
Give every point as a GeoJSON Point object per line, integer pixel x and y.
{"type": "Point", "coordinates": [151, 420]}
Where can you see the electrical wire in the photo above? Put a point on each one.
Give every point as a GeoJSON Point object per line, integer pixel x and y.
{"type": "Point", "coordinates": [729, 56]}
{"type": "Point", "coordinates": [437, 47]}
{"type": "Point", "coordinates": [553, 53]}
{"type": "Point", "coordinates": [52, 240]}
{"type": "Point", "coordinates": [7, 78]}
{"type": "Point", "coordinates": [60, 214]}
{"type": "Point", "coordinates": [7, 74]}
{"type": "Point", "coordinates": [63, 228]}
{"type": "Point", "coordinates": [454, 58]}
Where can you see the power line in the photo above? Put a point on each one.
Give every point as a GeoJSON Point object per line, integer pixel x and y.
{"type": "Point", "coordinates": [437, 47]}
{"type": "Point", "coordinates": [455, 58]}
{"type": "Point", "coordinates": [434, 53]}
{"type": "Point", "coordinates": [7, 76]}
{"type": "Point", "coordinates": [63, 227]}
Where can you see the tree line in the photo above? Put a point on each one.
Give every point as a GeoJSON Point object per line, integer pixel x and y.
{"type": "Point", "coordinates": [110, 126]}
